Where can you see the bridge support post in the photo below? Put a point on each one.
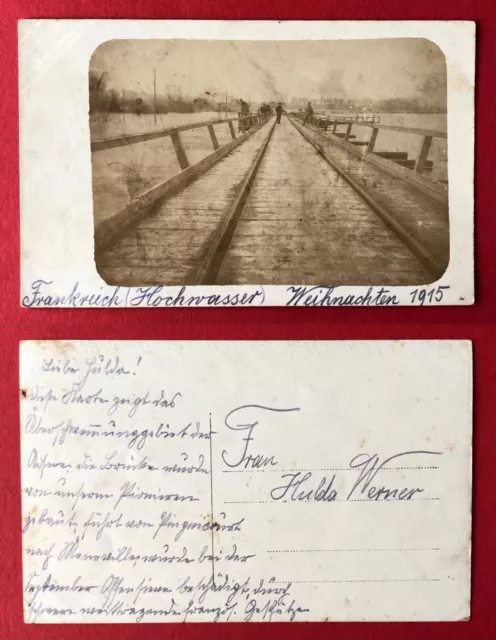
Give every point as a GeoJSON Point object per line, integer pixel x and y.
{"type": "Point", "coordinates": [335, 125]}
{"type": "Point", "coordinates": [231, 129]}
{"type": "Point", "coordinates": [424, 152]}
{"type": "Point", "coordinates": [213, 137]}
{"type": "Point", "coordinates": [182, 158]}
{"type": "Point", "coordinates": [373, 138]}
{"type": "Point", "coordinates": [348, 131]}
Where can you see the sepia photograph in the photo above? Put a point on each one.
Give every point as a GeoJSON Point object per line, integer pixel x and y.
{"type": "Point", "coordinates": [238, 162]}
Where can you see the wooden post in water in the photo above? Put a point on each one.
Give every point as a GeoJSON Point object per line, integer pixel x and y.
{"type": "Point", "coordinates": [424, 152]}
{"type": "Point", "coordinates": [373, 138]}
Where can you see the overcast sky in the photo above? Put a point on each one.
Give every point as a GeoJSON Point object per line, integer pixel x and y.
{"type": "Point", "coordinates": [263, 70]}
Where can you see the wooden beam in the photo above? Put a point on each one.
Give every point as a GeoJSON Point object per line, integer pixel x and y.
{"type": "Point", "coordinates": [231, 129]}
{"type": "Point", "coordinates": [348, 131]}
{"type": "Point", "coordinates": [392, 155]}
{"type": "Point", "coordinates": [120, 141]}
{"type": "Point", "coordinates": [182, 158]}
{"type": "Point", "coordinates": [373, 138]}
{"type": "Point", "coordinates": [410, 164]}
{"type": "Point", "coordinates": [424, 152]}
{"type": "Point", "coordinates": [213, 137]}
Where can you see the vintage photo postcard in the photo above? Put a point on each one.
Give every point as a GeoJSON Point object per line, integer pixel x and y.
{"type": "Point", "coordinates": [246, 163]}
{"type": "Point", "coordinates": [312, 481]}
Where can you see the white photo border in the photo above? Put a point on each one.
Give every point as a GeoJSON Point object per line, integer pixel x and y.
{"type": "Point", "coordinates": [57, 241]}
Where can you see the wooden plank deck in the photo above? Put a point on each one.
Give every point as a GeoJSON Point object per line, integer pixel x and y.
{"type": "Point", "coordinates": [425, 217]}
{"type": "Point", "coordinates": [302, 224]}
{"type": "Point", "coordinates": [168, 243]}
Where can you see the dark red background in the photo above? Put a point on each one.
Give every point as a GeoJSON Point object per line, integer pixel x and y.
{"type": "Point", "coordinates": [477, 323]}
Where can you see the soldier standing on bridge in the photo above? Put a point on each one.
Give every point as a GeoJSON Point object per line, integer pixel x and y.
{"type": "Point", "coordinates": [308, 113]}
{"type": "Point", "coordinates": [244, 124]}
{"type": "Point", "coordinates": [279, 111]}
{"type": "Point", "coordinates": [264, 110]}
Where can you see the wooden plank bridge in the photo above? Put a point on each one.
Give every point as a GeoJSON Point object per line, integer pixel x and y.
{"type": "Point", "coordinates": [286, 203]}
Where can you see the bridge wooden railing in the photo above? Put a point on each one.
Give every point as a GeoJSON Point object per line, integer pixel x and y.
{"type": "Point", "coordinates": [109, 229]}
{"type": "Point", "coordinates": [421, 162]}
{"type": "Point", "coordinates": [174, 133]}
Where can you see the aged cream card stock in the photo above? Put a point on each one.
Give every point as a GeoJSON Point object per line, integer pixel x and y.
{"type": "Point", "coordinates": [246, 481]}
{"type": "Point", "coordinates": [246, 163]}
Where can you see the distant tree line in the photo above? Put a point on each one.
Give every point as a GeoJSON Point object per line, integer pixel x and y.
{"type": "Point", "coordinates": [391, 105]}
{"type": "Point", "coordinates": [105, 99]}
{"type": "Point", "coordinates": [429, 97]}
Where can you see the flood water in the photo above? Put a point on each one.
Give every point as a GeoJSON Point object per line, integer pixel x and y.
{"type": "Point", "coordinates": [107, 125]}
{"type": "Point", "coordinates": [410, 142]}
{"type": "Point", "coordinates": [123, 173]}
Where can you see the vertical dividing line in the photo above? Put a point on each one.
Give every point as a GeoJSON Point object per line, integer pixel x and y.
{"type": "Point", "coordinates": [212, 498]}
{"type": "Point", "coordinates": [155, 93]}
